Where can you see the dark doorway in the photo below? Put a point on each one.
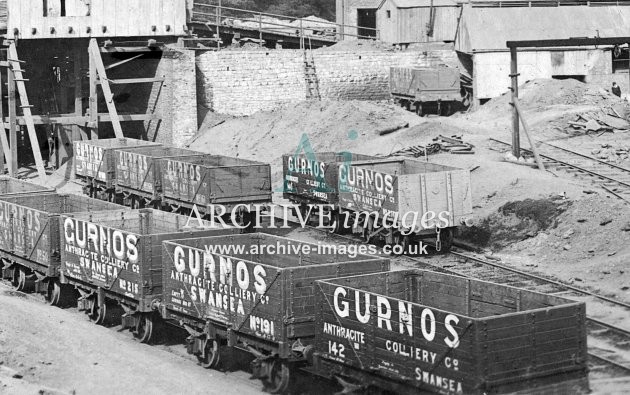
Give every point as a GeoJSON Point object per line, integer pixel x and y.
{"type": "Point", "coordinates": [366, 20]}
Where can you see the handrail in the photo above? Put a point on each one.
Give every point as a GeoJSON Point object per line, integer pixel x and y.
{"type": "Point", "coordinates": [300, 30]}
{"type": "Point", "coordinates": [542, 3]}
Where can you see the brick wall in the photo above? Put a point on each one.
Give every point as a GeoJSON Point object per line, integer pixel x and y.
{"type": "Point", "coordinates": [244, 82]}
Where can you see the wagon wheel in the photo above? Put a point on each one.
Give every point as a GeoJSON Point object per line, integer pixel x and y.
{"type": "Point", "coordinates": [211, 357]}
{"type": "Point", "coordinates": [53, 293]}
{"type": "Point", "coordinates": [248, 218]}
{"type": "Point", "coordinates": [100, 315]}
{"type": "Point", "coordinates": [303, 208]}
{"type": "Point", "coordinates": [24, 284]}
{"type": "Point", "coordinates": [94, 310]}
{"type": "Point", "coordinates": [335, 219]}
{"type": "Point", "coordinates": [446, 237]}
{"type": "Point", "coordinates": [368, 228]}
{"type": "Point", "coordinates": [144, 328]}
{"type": "Point", "coordinates": [402, 241]}
{"type": "Point", "coordinates": [15, 276]}
{"type": "Point", "coordinates": [419, 110]}
{"type": "Point", "coordinates": [280, 376]}
{"type": "Point", "coordinates": [60, 295]}
{"type": "Point", "coordinates": [136, 202]}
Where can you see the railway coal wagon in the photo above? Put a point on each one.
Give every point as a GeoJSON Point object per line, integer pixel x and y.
{"type": "Point", "coordinates": [95, 164]}
{"type": "Point", "coordinates": [314, 179]}
{"type": "Point", "coordinates": [255, 292]}
{"type": "Point", "coordinates": [418, 331]}
{"type": "Point", "coordinates": [114, 259]}
{"type": "Point", "coordinates": [403, 200]}
{"type": "Point", "coordinates": [29, 239]}
{"type": "Point", "coordinates": [139, 173]}
{"type": "Point", "coordinates": [215, 180]}
{"type": "Point", "coordinates": [10, 186]}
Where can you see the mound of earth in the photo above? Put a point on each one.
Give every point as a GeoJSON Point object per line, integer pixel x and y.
{"type": "Point", "coordinates": [543, 93]}
{"type": "Point", "coordinates": [516, 221]}
{"type": "Point", "coordinates": [329, 125]}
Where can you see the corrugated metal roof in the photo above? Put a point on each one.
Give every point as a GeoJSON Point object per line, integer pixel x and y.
{"type": "Point", "coordinates": [424, 3]}
{"type": "Point", "coordinates": [489, 28]}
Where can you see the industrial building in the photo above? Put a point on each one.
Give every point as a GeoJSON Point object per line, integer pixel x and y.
{"type": "Point", "coordinates": [479, 30]}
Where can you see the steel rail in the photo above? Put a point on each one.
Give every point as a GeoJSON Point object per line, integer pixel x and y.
{"type": "Point", "coordinates": [609, 326]}
{"type": "Point", "coordinates": [609, 361]}
{"type": "Point", "coordinates": [540, 278]}
{"type": "Point", "coordinates": [587, 157]}
{"type": "Point", "coordinates": [594, 174]}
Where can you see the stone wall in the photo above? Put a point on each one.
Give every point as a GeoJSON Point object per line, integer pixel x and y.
{"type": "Point", "coordinates": [365, 75]}
{"type": "Point", "coordinates": [244, 82]}
{"type": "Point", "coordinates": [175, 100]}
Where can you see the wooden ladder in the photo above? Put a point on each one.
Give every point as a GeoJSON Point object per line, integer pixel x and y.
{"type": "Point", "coordinates": [310, 74]}
{"type": "Point", "coordinates": [15, 80]}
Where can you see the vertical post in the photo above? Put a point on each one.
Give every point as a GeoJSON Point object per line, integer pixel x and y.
{"type": "Point", "coordinates": [260, 35]}
{"type": "Point", "coordinates": [13, 167]}
{"type": "Point", "coordinates": [302, 45]}
{"type": "Point", "coordinates": [2, 129]}
{"type": "Point", "coordinates": [219, 20]}
{"type": "Point", "coordinates": [342, 25]}
{"type": "Point", "coordinates": [516, 141]}
{"type": "Point", "coordinates": [65, 143]}
{"type": "Point", "coordinates": [93, 121]}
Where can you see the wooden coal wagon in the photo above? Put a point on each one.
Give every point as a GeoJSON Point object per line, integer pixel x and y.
{"type": "Point", "coordinates": [29, 239]}
{"type": "Point", "coordinates": [139, 173]}
{"type": "Point", "coordinates": [114, 259]}
{"type": "Point", "coordinates": [235, 290]}
{"type": "Point", "coordinates": [95, 164]}
{"type": "Point", "coordinates": [12, 186]}
{"type": "Point", "coordinates": [314, 180]}
{"type": "Point", "coordinates": [418, 331]}
{"type": "Point", "coordinates": [215, 180]}
{"type": "Point", "coordinates": [402, 201]}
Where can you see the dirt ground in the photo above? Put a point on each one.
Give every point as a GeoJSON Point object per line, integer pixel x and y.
{"type": "Point", "coordinates": [45, 350]}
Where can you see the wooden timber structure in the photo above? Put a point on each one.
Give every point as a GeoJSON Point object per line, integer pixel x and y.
{"type": "Point", "coordinates": [76, 35]}
{"type": "Point", "coordinates": [265, 29]}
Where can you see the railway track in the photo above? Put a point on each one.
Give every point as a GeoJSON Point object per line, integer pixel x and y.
{"type": "Point", "coordinates": [613, 178]}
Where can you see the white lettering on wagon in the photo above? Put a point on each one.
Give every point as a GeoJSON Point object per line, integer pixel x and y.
{"type": "Point", "coordinates": [106, 241]}
{"type": "Point", "coordinates": [444, 383]}
{"type": "Point", "coordinates": [366, 179]}
{"type": "Point", "coordinates": [399, 320]}
{"type": "Point", "coordinates": [101, 254]}
{"type": "Point", "coordinates": [220, 285]}
{"type": "Point", "coordinates": [344, 333]}
{"type": "Point", "coordinates": [306, 166]}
